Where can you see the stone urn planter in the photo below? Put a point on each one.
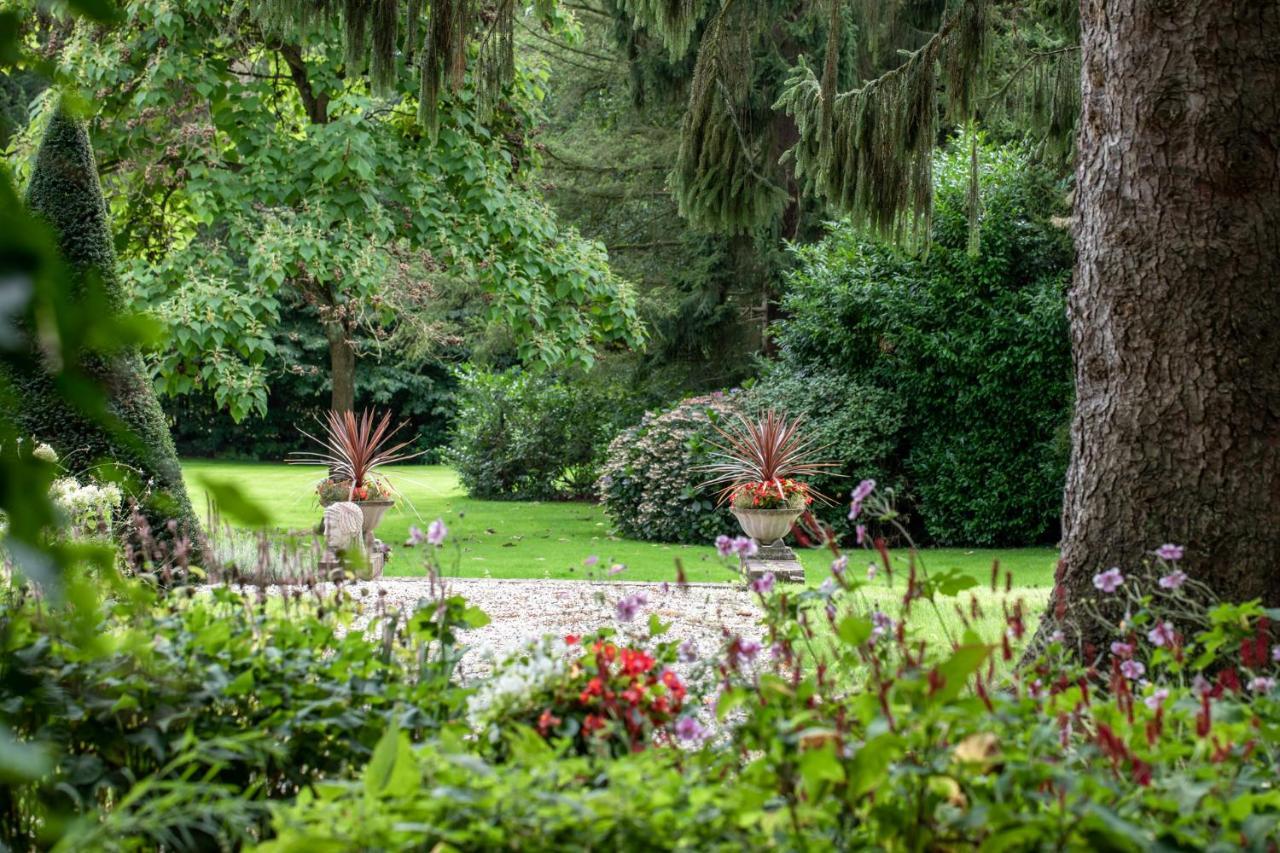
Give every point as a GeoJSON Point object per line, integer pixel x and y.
{"type": "Point", "coordinates": [766, 526]}
{"type": "Point", "coordinates": [373, 512]}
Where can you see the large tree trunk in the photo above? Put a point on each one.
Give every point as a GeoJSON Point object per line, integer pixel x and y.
{"type": "Point", "coordinates": [1175, 308]}
{"type": "Point", "coordinates": [342, 367]}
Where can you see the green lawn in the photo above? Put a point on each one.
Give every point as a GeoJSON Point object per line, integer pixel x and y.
{"type": "Point", "coordinates": [532, 539]}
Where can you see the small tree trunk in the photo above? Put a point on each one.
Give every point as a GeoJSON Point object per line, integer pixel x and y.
{"type": "Point", "coordinates": [342, 364]}
{"type": "Point", "coordinates": [1175, 308]}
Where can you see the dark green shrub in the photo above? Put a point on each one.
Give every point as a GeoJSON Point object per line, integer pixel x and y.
{"type": "Point", "coordinates": [972, 349]}
{"type": "Point", "coordinates": [857, 424]}
{"type": "Point", "coordinates": [215, 691]}
{"type": "Point", "coordinates": [649, 485]}
{"type": "Point", "coordinates": [525, 436]}
{"type": "Point", "coordinates": [66, 193]}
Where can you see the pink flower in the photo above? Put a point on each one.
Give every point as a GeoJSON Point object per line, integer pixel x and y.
{"type": "Point", "coordinates": [763, 585]}
{"type": "Point", "coordinates": [629, 606]}
{"type": "Point", "coordinates": [1275, 653]}
{"type": "Point", "coordinates": [881, 624]}
{"type": "Point", "coordinates": [1156, 699]}
{"type": "Point", "coordinates": [1108, 581]}
{"type": "Point", "coordinates": [688, 652]}
{"type": "Point", "coordinates": [1201, 685]}
{"type": "Point", "coordinates": [871, 571]}
{"type": "Point", "coordinates": [1173, 580]}
{"type": "Point", "coordinates": [745, 546]}
{"type": "Point", "coordinates": [839, 564]}
{"type": "Point", "coordinates": [1169, 552]}
{"type": "Point", "coordinates": [436, 531]}
{"type": "Point", "coordinates": [1132, 669]}
{"type": "Point", "coordinates": [616, 568]}
{"type": "Point", "coordinates": [1058, 637]}
{"type": "Point", "coordinates": [863, 490]}
{"type": "Point", "coordinates": [861, 532]}
{"type": "Point", "coordinates": [416, 536]}
{"type": "Point", "coordinates": [689, 729]}
{"type": "Point", "coordinates": [724, 545]}
{"type": "Point", "coordinates": [1162, 634]}
{"type": "Point", "coordinates": [591, 561]}
{"type": "Point", "coordinates": [748, 649]}
{"type": "Point", "coordinates": [1122, 650]}
{"type": "Point", "coordinates": [1262, 684]}
{"type": "Point", "coordinates": [855, 509]}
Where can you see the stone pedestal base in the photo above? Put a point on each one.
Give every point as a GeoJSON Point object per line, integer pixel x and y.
{"type": "Point", "coordinates": [776, 558]}
{"type": "Point", "coordinates": [333, 567]}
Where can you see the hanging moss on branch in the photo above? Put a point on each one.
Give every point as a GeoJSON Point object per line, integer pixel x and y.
{"type": "Point", "coordinates": [870, 150]}
{"type": "Point", "coordinates": [673, 20]}
{"type": "Point", "coordinates": [721, 178]}
{"type": "Point", "coordinates": [372, 33]}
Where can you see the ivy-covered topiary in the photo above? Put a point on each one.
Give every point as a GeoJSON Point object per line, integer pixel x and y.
{"type": "Point", "coordinates": [649, 485]}
{"type": "Point", "coordinates": [65, 191]}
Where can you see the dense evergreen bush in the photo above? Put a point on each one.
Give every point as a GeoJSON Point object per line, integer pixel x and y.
{"type": "Point", "coordinates": [968, 352]}
{"type": "Point", "coordinates": [649, 485]}
{"type": "Point", "coordinates": [65, 191]}
{"type": "Point", "coordinates": [524, 436]}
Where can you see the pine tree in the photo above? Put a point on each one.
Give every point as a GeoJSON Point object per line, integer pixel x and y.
{"type": "Point", "coordinates": [65, 192]}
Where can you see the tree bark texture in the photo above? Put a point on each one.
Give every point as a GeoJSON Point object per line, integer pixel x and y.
{"type": "Point", "coordinates": [342, 364]}
{"type": "Point", "coordinates": [1175, 307]}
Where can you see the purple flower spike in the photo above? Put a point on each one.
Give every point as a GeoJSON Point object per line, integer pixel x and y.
{"type": "Point", "coordinates": [1132, 670]}
{"type": "Point", "coordinates": [1108, 581]}
{"type": "Point", "coordinates": [436, 531]}
{"type": "Point", "coordinates": [1162, 634]}
{"type": "Point", "coordinates": [1156, 699]}
{"type": "Point", "coordinates": [689, 729]}
{"type": "Point", "coordinates": [863, 490]}
{"type": "Point", "coordinates": [688, 652]}
{"type": "Point", "coordinates": [629, 606]}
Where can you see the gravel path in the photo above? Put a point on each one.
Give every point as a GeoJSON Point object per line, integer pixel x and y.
{"type": "Point", "coordinates": [520, 610]}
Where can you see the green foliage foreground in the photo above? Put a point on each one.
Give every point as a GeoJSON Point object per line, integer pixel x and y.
{"type": "Point", "coordinates": [215, 718]}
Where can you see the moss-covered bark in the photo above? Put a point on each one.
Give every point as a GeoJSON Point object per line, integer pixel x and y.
{"type": "Point", "coordinates": [65, 191]}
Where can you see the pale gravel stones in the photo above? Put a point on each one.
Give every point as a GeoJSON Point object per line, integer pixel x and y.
{"type": "Point", "coordinates": [707, 615]}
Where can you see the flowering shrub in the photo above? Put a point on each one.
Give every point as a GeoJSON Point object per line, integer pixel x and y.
{"type": "Point", "coordinates": [778, 494]}
{"type": "Point", "coordinates": [603, 697]}
{"type": "Point", "coordinates": [649, 485]}
{"type": "Point", "coordinates": [88, 508]}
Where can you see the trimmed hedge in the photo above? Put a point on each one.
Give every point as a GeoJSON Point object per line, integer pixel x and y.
{"type": "Point", "coordinates": [66, 193]}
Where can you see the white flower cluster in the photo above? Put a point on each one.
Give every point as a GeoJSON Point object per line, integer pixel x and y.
{"type": "Point", "coordinates": [87, 508]}
{"type": "Point", "coordinates": [517, 682]}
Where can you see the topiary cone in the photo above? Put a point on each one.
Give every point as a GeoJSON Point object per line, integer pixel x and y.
{"type": "Point", "coordinates": [66, 193]}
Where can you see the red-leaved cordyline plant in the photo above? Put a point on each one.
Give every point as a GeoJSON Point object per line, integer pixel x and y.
{"type": "Point", "coordinates": [354, 448]}
{"type": "Point", "coordinates": [765, 451]}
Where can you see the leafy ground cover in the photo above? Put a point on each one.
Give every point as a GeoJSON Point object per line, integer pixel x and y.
{"type": "Point", "coordinates": [532, 539]}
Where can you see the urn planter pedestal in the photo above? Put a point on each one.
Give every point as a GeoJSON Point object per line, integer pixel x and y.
{"type": "Point", "coordinates": [768, 527]}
